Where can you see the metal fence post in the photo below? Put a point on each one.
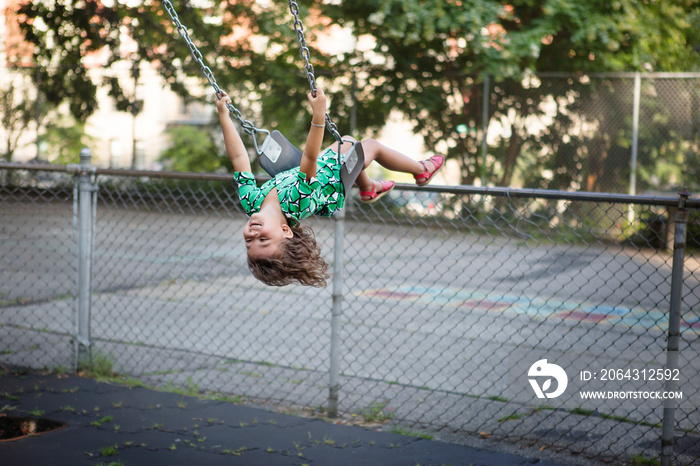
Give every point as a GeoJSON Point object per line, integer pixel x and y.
{"type": "Point", "coordinates": [336, 312]}
{"type": "Point", "coordinates": [635, 142]}
{"type": "Point", "coordinates": [84, 242]}
{"type": "Point", "coordinates": [485, 127]}
{"type": "Point", "coordinates": [674, 323]}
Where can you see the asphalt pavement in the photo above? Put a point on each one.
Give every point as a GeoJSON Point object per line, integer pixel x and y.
{"type": "Point", "coordinates": [111, 424]}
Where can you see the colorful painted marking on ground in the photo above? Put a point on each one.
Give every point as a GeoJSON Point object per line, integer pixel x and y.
{"type": "Point", "coordinates": [534, 307]}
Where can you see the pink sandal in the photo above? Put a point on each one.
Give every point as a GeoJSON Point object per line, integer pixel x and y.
{"type": "Point", "coordinates": [424, 178]}
{"type": "Point", "coordinates": [369, 197]}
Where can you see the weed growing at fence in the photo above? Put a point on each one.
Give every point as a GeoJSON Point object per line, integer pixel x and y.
{"type": "Point", "coordinates": [100, 367]}
{"type": "Point", "coordinates": [639, 459]}
{"type": "Point", "coordinates": [411, 433]}
{"type": "Point", "coordinates": [375, 413]}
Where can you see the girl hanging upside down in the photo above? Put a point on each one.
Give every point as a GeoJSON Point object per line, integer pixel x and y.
{"type": "Point", "coordinates": [280, 251]}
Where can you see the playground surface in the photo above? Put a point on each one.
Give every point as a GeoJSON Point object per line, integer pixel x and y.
{"type": "Point", "coordinates": [106, 423]}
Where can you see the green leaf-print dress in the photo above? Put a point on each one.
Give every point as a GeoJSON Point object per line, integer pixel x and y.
{"type": "Point", "coordinates": [299, 199]}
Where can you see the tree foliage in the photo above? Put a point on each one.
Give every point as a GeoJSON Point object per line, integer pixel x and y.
{"type": "Point", "coordinates": [64, 137]}
{"type": "Point", "coordinates": [15, 115]}
{"type": "Point", "coordinates": [433, 56]}
{"type": "Point", "coordinates": [192, 149]}
{"type": "Point", "coordinates": [427, 59]}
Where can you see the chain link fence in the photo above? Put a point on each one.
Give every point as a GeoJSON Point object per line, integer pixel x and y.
{"type": "Point", "coordinates": [451, 299]}
{"type": "Point", "coordinates": [603, 132]}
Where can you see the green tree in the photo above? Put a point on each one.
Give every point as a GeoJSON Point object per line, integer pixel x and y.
{"type": "Point", "coordinates": [61, 138]}
{"type": "Point", "coordinates": [428, 61]}
{"type": "Point", "coordinates": [193, 149]}
{"type": "Point", "coordinates": [15, 114]}
{"type": "Point", "coordinates": [249, 46]}
{"type": "Point", "coordinates": [64, 139]}
{"type": "Point", "coordinates": [65, 31]}
{"type": "Point", "coordinates": [602, 37]}
{"type": "Point", "coordinates": [669, 139]}
{"type": "Point", "coordinates": [433, 52]}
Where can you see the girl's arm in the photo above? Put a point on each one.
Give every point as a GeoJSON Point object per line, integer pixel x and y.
{"type": "Point", "coordinates": [234, 145]}
{"type": "Point", "coordinates": [315, 137]}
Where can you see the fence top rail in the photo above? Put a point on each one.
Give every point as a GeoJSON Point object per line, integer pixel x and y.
{"type": "Point", "coordinates": [621, 74]}
{"type": "Point", "coordinates": [33, 167]}
{"type": "Point", "coordinates": [73, 169]}
{"type": "Point", "coordinates": [612, 198]}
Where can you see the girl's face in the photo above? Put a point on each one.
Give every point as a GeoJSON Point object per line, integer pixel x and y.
{"type": "Point", "coordinates": [264, 235]}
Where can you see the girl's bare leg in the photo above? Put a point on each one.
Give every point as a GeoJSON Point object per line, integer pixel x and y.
{"type": "Point", "coordinates": [363, 181]}
{"type": "Point", "coordinates": [386, 157]}
{"type": "Point", "coordinates": [389, 158]}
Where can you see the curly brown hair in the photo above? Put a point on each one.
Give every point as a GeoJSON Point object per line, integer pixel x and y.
{"type": "Point", "coordinates": [300, 260]}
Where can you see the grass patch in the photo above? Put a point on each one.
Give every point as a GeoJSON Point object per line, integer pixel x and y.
{"type": "Point", "coordinates": [640, 460]}
{"type": "Point", "coordinates": [11, 397]}
{"type": "Point", "coordinates": [513, 417]}
{"type": "Point", "coordinates": [190, 389]}
{"type": "Point", "coordinates": [11, 302]}
{"type": "Point", "coordinates": [101, 421]}
{"type": "Point", "coordinates": [237, 452]}
{"type": "Point", "coordinates": [411, 433]}
{"type": "Point", "coordinates": [235, 399]}
{"type": "Point", "coordinates": [100, 367]}
{"type": "Point", "coordinates": [109, 451]}
{"type": "Point", "coordinates": [612, 417]}
{"type": "Point", "coordinates": [36, 412]}
{"type": "Point", "coordinates": [545, 407]}
{"type": "Point", "coordinates": [375, 412]}
{"type": "Point", "coordinates": [581, 411]}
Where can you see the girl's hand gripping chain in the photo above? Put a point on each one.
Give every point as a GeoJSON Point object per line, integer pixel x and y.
{"type": "Point", "coordinates": [222, 100]}
{"type": "Point", "coordinates": [318, 107]}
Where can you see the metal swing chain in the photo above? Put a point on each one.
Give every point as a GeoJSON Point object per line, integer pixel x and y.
{"type": "Point", "coordinates": [247, 125]}
{"type": "Point", "coordinates": [306, 55]}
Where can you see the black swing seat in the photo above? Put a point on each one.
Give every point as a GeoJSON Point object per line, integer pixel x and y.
{"type": "Point", "coordinates": [352, 166]}
{"type": "Point", "coordinates": [277, 155]}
